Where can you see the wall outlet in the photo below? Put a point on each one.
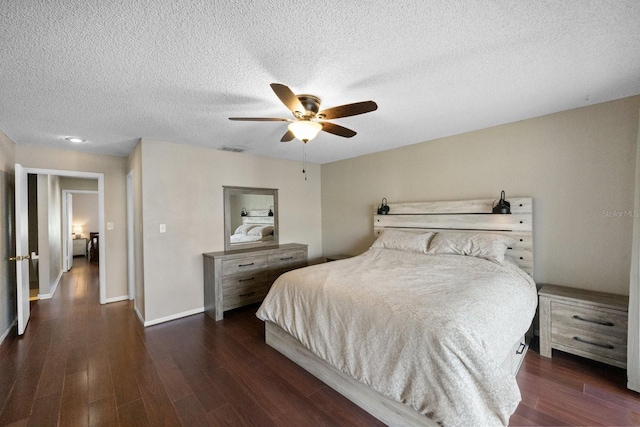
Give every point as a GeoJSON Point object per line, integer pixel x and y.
{"type": "Point", "coordinates": [109, 226]}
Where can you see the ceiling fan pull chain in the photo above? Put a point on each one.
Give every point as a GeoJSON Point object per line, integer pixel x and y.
{"type": "Point", "coordinates": [304, 160]}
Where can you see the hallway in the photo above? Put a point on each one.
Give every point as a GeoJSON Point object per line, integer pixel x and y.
{"type": "Point", "coordinates": [61, 364]}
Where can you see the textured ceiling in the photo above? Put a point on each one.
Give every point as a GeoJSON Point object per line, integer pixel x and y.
{"type": "Point", "coordinates": [115, 71]}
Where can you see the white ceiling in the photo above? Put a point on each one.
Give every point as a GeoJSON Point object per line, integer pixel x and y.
{"type": "Point", "coordinates": [114, 71]}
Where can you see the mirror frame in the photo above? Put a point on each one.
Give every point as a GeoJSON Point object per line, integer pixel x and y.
{"type": "Point", "coordinates": [230, 191]}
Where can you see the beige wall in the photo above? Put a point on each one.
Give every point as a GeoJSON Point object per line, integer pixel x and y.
{"type": "Point", "coordinates": [49, 232]}
{"type": "Point", "coordinates": [67, 183]}
{"type": "Point", "coordinates": [182, 188]}
{"type": "Point", "coordinates": [114, 170]}
{"type": "Point", "coordinates": [7, 228]}
{"type": "Point", "coordinates": [578, 165]}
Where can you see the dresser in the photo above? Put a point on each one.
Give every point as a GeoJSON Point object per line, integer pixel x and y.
{"type": "Point", "coordinates": [586, 323]}
{"type": "Point", "coordinates": [236, 278]}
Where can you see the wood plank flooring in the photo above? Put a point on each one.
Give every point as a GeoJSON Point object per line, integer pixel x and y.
{"type": "Point", "coordinates": [80, 363]}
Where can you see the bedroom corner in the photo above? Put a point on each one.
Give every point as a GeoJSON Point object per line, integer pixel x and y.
{"type": "Point", "coordinates": [633, 335]}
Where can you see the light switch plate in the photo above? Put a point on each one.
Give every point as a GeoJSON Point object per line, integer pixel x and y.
{"type": "Point", "coordinates": [163, 228]}
{"type": "Point", "coordinates": [109, 226]}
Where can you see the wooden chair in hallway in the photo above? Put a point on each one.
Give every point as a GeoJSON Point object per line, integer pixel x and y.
{"type": "Point", "coordinates": [94, 240]}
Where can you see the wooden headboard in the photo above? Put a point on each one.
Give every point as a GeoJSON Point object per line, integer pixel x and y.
{"type": "Point", "coordinates": [260, 216]}
{"type": "Point", "coordinates": [466, 216]}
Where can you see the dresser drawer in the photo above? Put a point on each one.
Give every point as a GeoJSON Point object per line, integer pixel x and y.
{"type": "Point", "coordinates": [294, 257]}
{"type": "Point", "coordinates": [590, 319]}
{"type": "Point", "coordinates": [241, 283]}
{"type": "Point", "coordinates": [246, 296]}
{"type": "Point", "coordinates": [243, 289]}
{"type": "Point", "coordinates": [243, 265]}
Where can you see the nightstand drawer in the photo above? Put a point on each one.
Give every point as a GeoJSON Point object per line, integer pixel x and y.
{"type": "Point", "coordinates": [591, 342]}
{"type": "Point", "coordinates": [589, 319]}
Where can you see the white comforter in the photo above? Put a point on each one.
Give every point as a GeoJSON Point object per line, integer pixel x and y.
{"type": "Point", "coordinates": [430, 331]}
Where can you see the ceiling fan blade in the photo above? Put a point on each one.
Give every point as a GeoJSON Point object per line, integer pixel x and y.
{"type": "Point", "coordinates": [288, 98]}
{"type": "Point", "coordinates": [338, 130]}
{"type": "Point", "coordinates": [289, 136]}
{"type": "Point", "coordinates": [259, 119]}
{"type": "Point", "coordinates": [348, 110]}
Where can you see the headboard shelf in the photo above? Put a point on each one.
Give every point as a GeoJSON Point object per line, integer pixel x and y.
{"type": "Point", "coordinates": [481, 221]}
{"type": "Point", "coordinates": [466, 216]}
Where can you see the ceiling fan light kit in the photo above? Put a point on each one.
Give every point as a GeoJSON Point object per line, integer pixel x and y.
{"type": "Point", "coordinates": [305, 130]}
{"type": "Point", "coordinates": [308, 118]}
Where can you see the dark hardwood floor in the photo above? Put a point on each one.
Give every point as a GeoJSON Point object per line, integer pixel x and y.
{"type": "Point", "coordinates": [80, 363]}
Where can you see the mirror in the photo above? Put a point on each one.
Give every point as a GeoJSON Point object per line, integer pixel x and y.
{"type": "Point", "coordinates": [250, 217]}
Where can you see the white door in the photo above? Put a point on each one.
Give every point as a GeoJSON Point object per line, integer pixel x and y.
{"type": "Point", "coordinates": [22, 247]}
{"type": "Point", "coordinates": [69, 228]}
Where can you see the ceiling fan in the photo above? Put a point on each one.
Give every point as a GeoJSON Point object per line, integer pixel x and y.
{"type": "Point", "coordinates": [308, 119]}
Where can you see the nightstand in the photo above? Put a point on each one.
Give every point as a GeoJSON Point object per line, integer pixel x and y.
{"type": "Point", "coordinates": [586, 323]}
{"type": "Point", "coordinates": [80, 247]}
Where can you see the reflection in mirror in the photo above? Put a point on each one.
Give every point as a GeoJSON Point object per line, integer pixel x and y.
{"type": "Point", "coordinates": [250, 217]}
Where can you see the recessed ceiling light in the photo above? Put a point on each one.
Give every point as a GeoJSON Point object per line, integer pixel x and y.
{"type": "Point", "coordinates": [74, 139]}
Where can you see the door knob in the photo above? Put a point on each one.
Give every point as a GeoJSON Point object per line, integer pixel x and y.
{"type": "Point", "coordinates": [15, 258]}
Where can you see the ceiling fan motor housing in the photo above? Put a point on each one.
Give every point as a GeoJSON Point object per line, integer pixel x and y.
{"type": "Point", "coordinates": [311, 104]}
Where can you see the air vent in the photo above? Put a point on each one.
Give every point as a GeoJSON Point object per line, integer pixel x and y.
{"type": "Point", "coordinates": [233, 149]}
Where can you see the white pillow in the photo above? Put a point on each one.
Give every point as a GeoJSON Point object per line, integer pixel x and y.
{"type": "Point", "coordinates": [261, 231]}
{"type": "Point", "coordinates": [244, 228]}
{"type": "Point", "coordinates": [404, 241]}
{"type": "Point", "coordinates": [485, 245]}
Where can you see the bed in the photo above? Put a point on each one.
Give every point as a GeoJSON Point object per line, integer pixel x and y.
{"type": "Point", "coordinates": [427, 326]}
{"type": "Point", "coordinates": [250, 233]}
{"type": "Point", "coordinates": [257, 226]}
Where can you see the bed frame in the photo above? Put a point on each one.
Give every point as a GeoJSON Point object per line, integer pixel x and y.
{"type": "Point", "coordinates": [460, 216]}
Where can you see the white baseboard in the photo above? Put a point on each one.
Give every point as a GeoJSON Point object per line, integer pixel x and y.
{"type": "Point", "coordinates": [116, 299]}
{"type": "Point", "coordinates": [6, 333]}
{"type": "Point", "coordinates": [633, 384]}
{"type": "Point", "coordinates": [53, 290]}
{"type": "Point", "coordinates": [135, 308]}
{"type": "Point", "coordinates": [172, 317]}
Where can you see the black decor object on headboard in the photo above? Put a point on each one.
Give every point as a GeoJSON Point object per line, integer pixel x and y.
{"type": "Point", "coordinates": [383, 209]}
{"type": "Point", "coordinates": [503, 206]}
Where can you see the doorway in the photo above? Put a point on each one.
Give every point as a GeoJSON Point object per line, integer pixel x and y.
{"type": "Point", "coordinates": [100, 210]}
{"type": "Point", "coordinates": [80, 228]}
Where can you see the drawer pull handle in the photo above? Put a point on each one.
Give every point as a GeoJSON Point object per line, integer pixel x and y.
{"type": "Point", "coordinates": [247, 294]}
{"type": "Point", "coordinates": [246, 280]}
{"type": "Point", "coordinates": [607, 346]}
{"type": "Point", "coordinates": [521, 348]}
{"type": "Point", "coordinates": [245, 265]}
{"type": "Point", "coordinates": [598, 322]}
{"type": "Point", "coordinates": [285, 259]}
